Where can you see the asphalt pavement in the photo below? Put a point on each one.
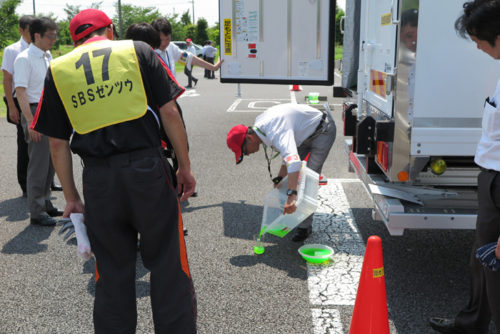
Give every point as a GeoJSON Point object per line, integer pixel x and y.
{"type": "Point", "coordinates": [46, 288]}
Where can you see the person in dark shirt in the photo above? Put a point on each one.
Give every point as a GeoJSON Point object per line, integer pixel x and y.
{"type": "Point", "coordinates": [113, 100]}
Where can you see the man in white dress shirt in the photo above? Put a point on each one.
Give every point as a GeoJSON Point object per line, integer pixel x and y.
{"type": "Point", "coordinates": [188, 69]}
{"type": "Point", "coordinates": [480, 23]}
{"type": "Point", "coordinates": [13, 111]}
{"type": "Point", "coordinates": [30, 68]}
{"type": "Point", "coordinates": [294, 131]}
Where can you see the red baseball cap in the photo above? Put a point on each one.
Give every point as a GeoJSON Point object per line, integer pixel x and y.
{"type": "Point", "coordinates": [235, 139]}
{"type": "Point", "coordinates": [96, 18]}
{"type": "Point", "coordinates": [188, 40]}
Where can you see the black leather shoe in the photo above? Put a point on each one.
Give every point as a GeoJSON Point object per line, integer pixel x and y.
{"type": "Point", "coordinates": [55, 187]}
{"type": "Point", "coordinates": [55, 212]}
{"type": "Point", "coordinates": [445, 326]}
{"type": "Point", "coordinates": [43, 221]}
{"type": "Point", "coordinates": [301, 234]}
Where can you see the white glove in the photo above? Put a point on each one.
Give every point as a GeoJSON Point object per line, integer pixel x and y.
{"type": "Point", "coordinates": [82, 239]}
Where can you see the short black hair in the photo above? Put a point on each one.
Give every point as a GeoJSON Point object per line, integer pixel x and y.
{"type": "Point", "coordinates": [409, 17]}
{"type": "Point", "coordinates": [25, 21]}
{"type": "Point", "coordinates": [40, 25]}
{"type": "Point", "coordinates": [480, 19]}
{"type": "Point", "coordinates": [143, 32]}
{"type": "Point", "coordinates": [162, 25]}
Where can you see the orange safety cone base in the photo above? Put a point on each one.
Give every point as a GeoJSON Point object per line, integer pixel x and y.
{"type": "Point", "coordinates": [370, 314]}
{"type": "Point", "coordinates": [295, 88]}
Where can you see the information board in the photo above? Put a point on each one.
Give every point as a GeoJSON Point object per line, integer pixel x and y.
{"type": "Point", "coordinates": [278, 41]}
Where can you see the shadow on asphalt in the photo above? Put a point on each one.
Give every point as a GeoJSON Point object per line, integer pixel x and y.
{"type": "Point", "coordinates": [141, 287]}
{"type": "Point", "coordinates": [241, 220]}
{"type": "Point", "coordinates": [28, 241]}
{"type": "Point", "coordinates": [282, 256]}
{"type": "Point", "coordinates": [14, 209]}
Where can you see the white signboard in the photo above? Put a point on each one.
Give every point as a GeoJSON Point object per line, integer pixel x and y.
{"type": "Point", "coordinates": [278, 41]}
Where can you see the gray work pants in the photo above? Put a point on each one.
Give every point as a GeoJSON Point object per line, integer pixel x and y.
{"type": "Point", "coordinates": [40, 172]}
{"type": "Point", "coordinates": [318, 145]}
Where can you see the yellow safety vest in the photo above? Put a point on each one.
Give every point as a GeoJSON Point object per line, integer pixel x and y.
{"type": "Point", "coordinates": [100, 84]}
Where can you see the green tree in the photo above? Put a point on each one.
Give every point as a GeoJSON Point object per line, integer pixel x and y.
{"type": "Point", "coordinates": [201, 31]}
{"type": "Point", "coordinates": [185, 19]}
{"type": "Point", "coordinates": [190, 31]}
{"type": "Point", "coordinates": [214, 34]}
{"type": "Point", "coordinates": [135, 14]}
{"type": "Point", "coordinates": [178, 33]}
{"type": "Point", "coordinates": [339, 38]}
{"type": "Point", "coordinates": [63, 35]}
{"type": "Point", "coordinates": [9, 31]}
{"type": "Point", "coordinates": [72, 10]}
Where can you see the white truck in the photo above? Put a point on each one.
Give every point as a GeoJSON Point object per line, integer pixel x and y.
{"type": "Point", "coordinates": [415, 116]}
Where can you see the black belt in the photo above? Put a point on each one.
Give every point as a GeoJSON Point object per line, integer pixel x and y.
{"type": "Point", "coordinates": [122, 159]}
{"type": "Point", "coordinates": [321, 122]}
{"type": "Point", "coordinates": [488, 170]}
{"type": "Point", "coordinates": [320, 125]}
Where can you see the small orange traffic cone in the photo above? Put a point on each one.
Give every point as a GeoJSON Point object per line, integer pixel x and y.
{"type": "Point", "coordinates": [295, 88]}
{"type": "Point", "coordinates": [370, 310]}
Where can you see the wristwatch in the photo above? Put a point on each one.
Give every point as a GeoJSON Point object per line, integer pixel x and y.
{"type": "Point", "coordinates": [291, 192]}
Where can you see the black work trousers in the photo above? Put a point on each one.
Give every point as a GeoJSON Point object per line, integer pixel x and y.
{"type": "Point", "coordinates": [484, 300]}
{"type": "Point", "coordinates": [209, 74]}
{"type": "Point", "coordinates": [126, 195]}
{"type": "Point", "coordinates": [191, 78]}
{"type": "Point", "coordinates": [22, 150]}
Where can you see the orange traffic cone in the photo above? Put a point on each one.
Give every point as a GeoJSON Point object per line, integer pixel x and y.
{"type": "Point", "coordinates": [370, 310]}
{"type": "Point", "coordinates": [295, 88]}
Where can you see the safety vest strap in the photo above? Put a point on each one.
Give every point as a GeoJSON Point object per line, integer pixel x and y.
{"type": "Point", "coordinates": [100, 84]}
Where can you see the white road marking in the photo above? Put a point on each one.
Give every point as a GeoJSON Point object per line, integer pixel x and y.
{"type": "Point", "coordinates": [240, 105]}
{"type": "Point", "coordinates": [189, 93]}
{"type": "Point", "coordinates": [293, 98]}
{"type": "Point", "coordinates": [327, 321]}
{"type": "Point", "coordinates": [334, 284]}
{"type": "Point", "coordinates": [254, 104]}
{"type": "Point", "coordinates": [337, 75]}
{"type": "Point", "coordinates": [234, 105]}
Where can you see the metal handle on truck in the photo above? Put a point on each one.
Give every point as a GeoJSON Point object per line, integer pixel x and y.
{"type": "Point", "coordinates": [390, 80]}
{"type": "Point", "coordinates": [394, 21]}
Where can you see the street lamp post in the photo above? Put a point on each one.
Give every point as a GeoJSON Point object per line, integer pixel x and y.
{"type": "Point", "coordinates": [192, 2]}
{"type": "Point", "coordinates": [120, 18]}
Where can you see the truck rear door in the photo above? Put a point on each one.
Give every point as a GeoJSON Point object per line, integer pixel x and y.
{"type": "Point", "coordinates": [378, 37]}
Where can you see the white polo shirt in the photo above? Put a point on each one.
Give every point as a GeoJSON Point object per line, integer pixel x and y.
{"type": "Point", "coordinates": [172, 55]}
{"type": "Point", "coordinates": [30, 69]}
{"type": "Point", "coordinates": [285, 127]}
{"type": "Point", "coordinates": [9, 56]}
{"type": "Point", "coordinates": [488, 148]}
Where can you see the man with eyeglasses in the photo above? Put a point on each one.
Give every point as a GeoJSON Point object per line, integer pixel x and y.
{"type": "Point", "coordinates": [294, 131]}
{"type": "Point", "coordinates": [30, 68]}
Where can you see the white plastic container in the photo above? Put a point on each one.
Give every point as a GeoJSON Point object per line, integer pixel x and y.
{"type": "Point", "coordinates": [273, 219]}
